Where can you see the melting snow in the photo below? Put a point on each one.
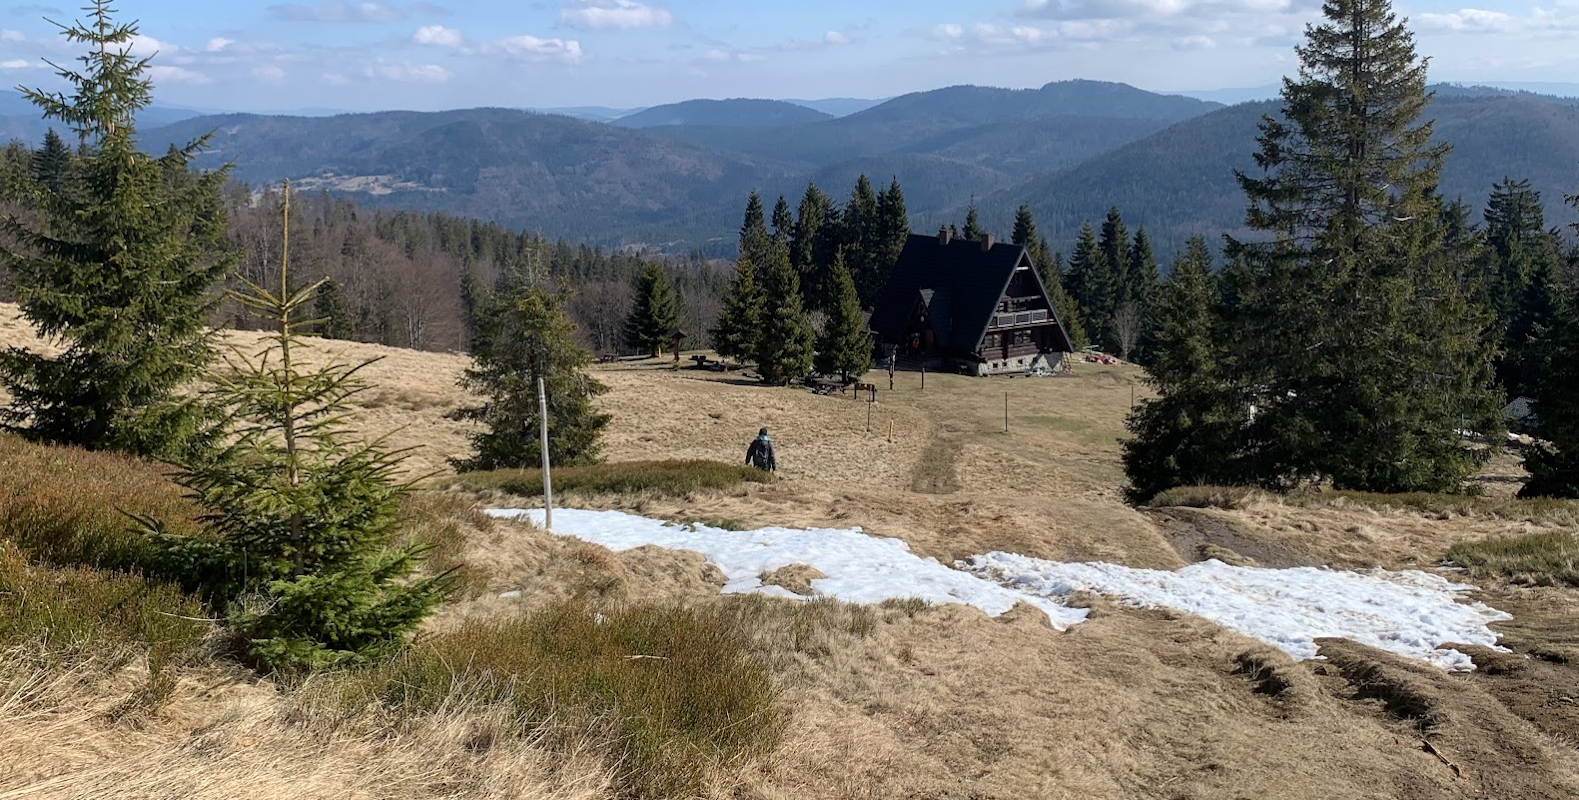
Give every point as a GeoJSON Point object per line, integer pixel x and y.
{"type": "Point", "coordinates": [1409, 613]}
{"type": "Point", "coordinates": [860, 568]}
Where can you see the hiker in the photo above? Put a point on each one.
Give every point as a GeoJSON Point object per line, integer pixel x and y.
{"type": "Point", "coordinates": [760, 453]}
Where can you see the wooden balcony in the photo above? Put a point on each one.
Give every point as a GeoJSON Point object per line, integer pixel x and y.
{"type": "Point", "coordinates": [1000, 321]}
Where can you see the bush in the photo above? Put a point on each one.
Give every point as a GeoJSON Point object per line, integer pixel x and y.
{"type": "Point", "coordinates": [68, 507]}
{"type": "Point", "coordinates": [74, 614]}
{"type": "Point", "coordinates": [673, 694]}
{"type": "Point", "coordinates": [658, 478]}
{"type": "Point", "coordinates": [1541, 558]}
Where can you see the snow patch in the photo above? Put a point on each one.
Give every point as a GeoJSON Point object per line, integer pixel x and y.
{"type": "Point", "coordinates": [860, 568]}
{"type": "Point", "coordinates": [1409, 613]}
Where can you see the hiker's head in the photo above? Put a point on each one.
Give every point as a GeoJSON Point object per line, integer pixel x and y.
{"type": "Point", "coordinates": [763, 432]}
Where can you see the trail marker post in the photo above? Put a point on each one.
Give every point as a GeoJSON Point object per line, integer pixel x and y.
{"type": "Point", "coordinates": [548, 481]}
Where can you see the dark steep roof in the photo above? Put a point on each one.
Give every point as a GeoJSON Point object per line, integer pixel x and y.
{"type": "Point", "coordinates": [959, 283]}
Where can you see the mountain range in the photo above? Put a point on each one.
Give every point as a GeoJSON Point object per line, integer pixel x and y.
{"type": "Point", "coordinates": [675, 177]}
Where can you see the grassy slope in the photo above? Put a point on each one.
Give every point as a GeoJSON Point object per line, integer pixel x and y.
{"type": "Point", "coordinates": [919, 702]}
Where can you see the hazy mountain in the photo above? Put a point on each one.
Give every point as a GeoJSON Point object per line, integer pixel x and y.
{"type": "Point", "coordinates": [1181, 181]}
{"type": "Point", "coordinates": [20, 119]}
{"type": "Point", "coordinates": [733, 113]}
{"type": "Point", "coordinates": [548, 173]}
{"type": "Point", "coordinates": [1229, 97]}
{"type": "Point", "coordinates": [838, 106]}
{"type": "Point", "coordinates": [593, 113]}
{"type": "Point", "coordinates": [928, 121]}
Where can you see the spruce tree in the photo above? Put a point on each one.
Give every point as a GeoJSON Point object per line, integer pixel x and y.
{"type": "Point", "coordinates": [1367, 356]}
{"type": "Point", "coordinates": [1024, 227]}
{"type": "Point", "coordinates": [333, 315]}
{"type": "Point", "coordinates": [299, 513]}
{"type": "Point", "coordinates": [1517, 278]}
{"type": "Point", "coordinates": [808, 242]}
{"type": "Point", "coordinates": [973, 229]}
{"type": "Point", "coordinates": [783, 222]}
{"type": "Point", "coordinates": [51, 163]}
{"type": "Point", "coordinates": [654, 313]}
{"type": "Point", "coordinates": [526, 335]}
{"type": "Point", "coordinates": [1094, 286]}
{"type": "Point", "coordinates": [740, 319]}
{"type": "Point", "coordinates": [784, 346]}
{"type": "Point", "coordinates": [1553, 463]}
{"type": "Point", "coordinates": [755, 242]}
{"type": "Point", "coordinates": [1190, 433]}
{"type": "Point", "coordinates": [116, 265]}
{"type": "Point", "coordinates": [845, 346]}
{"type": "Point", "coordinates": [892, 232]}
{"type": "Point", "coordinates": [860, 240]}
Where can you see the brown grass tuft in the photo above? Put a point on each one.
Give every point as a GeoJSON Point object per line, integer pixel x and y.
{"type": "Point", "coordinates": [1537, 559]}
{"type": "Point", "coordinates": [631, 478]}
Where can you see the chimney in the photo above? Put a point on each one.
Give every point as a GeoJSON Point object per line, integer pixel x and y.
{"type": "Point", "coordinates": [987, 243]}
{"type": "Point", "coordinates": [944, 237]}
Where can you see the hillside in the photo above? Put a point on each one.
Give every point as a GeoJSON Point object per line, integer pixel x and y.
{"type": "Point", "coordinates": [1180, 181]}
{"type": "Point", "coordinates": [1071, 149]}
{"type": "Point", "coordinates": [742, 113]}
{"type": "Point", "coordinates": [548, 173]}
{"type": "Point", "coordinates": [903, 699]}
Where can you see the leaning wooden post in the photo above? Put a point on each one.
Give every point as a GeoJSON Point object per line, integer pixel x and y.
{"type": "Point", "coordinates": [548, 481]}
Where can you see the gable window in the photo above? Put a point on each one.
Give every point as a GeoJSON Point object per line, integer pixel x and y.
{"type": "Point", "coordinates": [990, 342]}
{"type": "Point", "coordinates": [1022, 337]}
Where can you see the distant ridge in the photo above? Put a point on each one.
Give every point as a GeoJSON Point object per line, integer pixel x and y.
{"type": "Point", "coordinates": [731, 113]}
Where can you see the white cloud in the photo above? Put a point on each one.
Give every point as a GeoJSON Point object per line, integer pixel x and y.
{"type": "Point", "coordinates": [17, 63]}
{"type": "Point", "coordinates": [1195, 43]}
{"type": "Point", "coordinates": [949, 30]}
{"type": "Point", "coordinates": [12, 36]}
{"type": "Point", "coordinates": [268, 73]}
{"type": "Point", "coordinates": [168, 74]}
{"type": "Point", "coordinates": [438, 36]}
{"type": "Point", "coordinates": [1469, 20]}
{"type": "Point", "coordinates": [147, 46]}
{"type": "Point", "coordinates": [835, 37]}
{"type": "Point", "coordinates": [1152, 9]}
{"type": "Point", "coordinates": [618, 14]}
{"type": "Point", "coordinates": [739, 56]}
{"type": "Point", "coordinates": [408, 73]}
{"type": "Point", "coordinates": [338, 12]}
{"type": "Point", "coordinates": [218, 44]}
{"type": "Point", "coordinates": [534, 48]}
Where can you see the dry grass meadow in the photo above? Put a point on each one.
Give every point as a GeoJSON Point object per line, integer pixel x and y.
{"type": "Point", "coordinates": [903, 700]}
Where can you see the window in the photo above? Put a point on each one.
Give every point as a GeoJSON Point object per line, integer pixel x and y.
{"type": "Point", "coordinates": [990, 342]}
{"type": "Point", "coordinates": [1022, 337]}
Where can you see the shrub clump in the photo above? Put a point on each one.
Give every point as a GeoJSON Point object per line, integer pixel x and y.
{"type": "Point", "coordinates": [651, 478]}
{"type": "Point", "coordinates": [674, 695]}
{"type": "Point", "coordinates": [68, 507]}
{"type": "Point", "coordinates": [1542, 558]}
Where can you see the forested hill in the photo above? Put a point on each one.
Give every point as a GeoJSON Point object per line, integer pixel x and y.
{"type": "Point", "coordinates": [1072, 149]}
{"type": "Point", "coordinates": [1181, 182]}
{"type": "Point", "coordinates": [552, 174]}
{"type": "Point", "coordinates": [729, 113]}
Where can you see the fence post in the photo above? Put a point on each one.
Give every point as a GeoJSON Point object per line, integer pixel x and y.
{"type": "Point", "coordinates": [1005, 412]}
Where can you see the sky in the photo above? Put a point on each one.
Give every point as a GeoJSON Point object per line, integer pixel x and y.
{"type": "Point", "coordinates": [362, 55]}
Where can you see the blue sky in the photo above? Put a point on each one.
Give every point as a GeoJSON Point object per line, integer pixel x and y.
{"type": "Point", "coordinates": [366, 54]}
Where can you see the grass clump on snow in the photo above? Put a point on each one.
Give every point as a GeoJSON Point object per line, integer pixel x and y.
{"type": "Point", "coordinates": [647, 478]}
{"type": "Point", "coordinates": [1540, 559]}
{"type": "Point", "coordinates": [673, 696]}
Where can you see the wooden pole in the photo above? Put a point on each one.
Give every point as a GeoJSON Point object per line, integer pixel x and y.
{"type": "Point", "coordinates": [548, 481]}
{"type": "Point", "coordinates": [1005, 412]}
{"type": "Point", "coordinates": [923, 379]}
{"type": "Point", "coordinates": [869, 417]}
